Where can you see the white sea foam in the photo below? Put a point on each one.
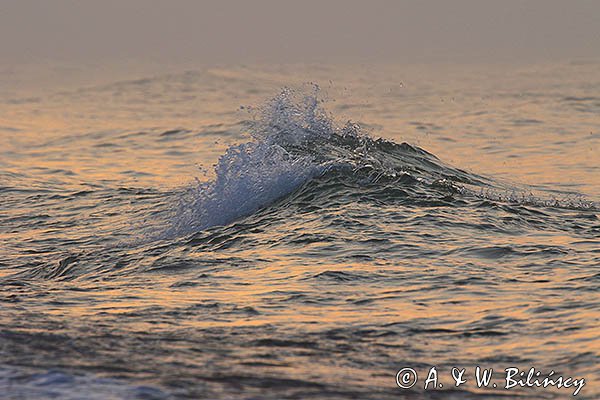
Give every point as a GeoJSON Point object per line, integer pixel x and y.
{"type": "Point", "coordinates": [252, 175]}
{"type": "Point", "coordinates": [55, 384]}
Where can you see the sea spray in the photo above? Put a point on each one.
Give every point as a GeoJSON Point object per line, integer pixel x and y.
{"type": "Point", "coordinates": [252, 175]}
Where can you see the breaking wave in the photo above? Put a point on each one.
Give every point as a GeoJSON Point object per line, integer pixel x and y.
{"type": "Point", "coordinates": [297, 143]}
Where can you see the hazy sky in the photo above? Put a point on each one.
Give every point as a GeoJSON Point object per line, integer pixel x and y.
{"type": "Point", "coordinates": [283, 31]}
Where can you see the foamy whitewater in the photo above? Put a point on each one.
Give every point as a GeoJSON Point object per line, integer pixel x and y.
{"type": "Point", "coordinates": [332, 235]}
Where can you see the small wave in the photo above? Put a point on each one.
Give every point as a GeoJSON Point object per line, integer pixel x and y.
{"type": "Point", "coordinates": [295, 140]}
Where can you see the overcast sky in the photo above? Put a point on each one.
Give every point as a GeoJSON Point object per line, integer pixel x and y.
{"type": "Point", "coordinates": [244, 31]}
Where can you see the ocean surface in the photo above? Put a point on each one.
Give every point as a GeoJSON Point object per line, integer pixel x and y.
{"type": "Point", "coordinates": [297, 232]}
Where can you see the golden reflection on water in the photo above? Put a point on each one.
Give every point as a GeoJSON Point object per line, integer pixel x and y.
{"type": "Point", "coordinates": [467, 116]}
{"type": "Point", "coordinates": [468, 121]}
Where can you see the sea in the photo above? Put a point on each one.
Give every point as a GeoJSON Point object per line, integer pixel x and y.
{"type": "Point", "coordinates": [302, 231]}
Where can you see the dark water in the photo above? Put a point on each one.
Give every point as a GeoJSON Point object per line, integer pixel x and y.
{"type": "Point", "coordinates": [314, 260]}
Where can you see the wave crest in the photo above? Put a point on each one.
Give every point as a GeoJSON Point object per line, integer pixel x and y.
{"type": "Point", "coordinates": [296, 140]}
